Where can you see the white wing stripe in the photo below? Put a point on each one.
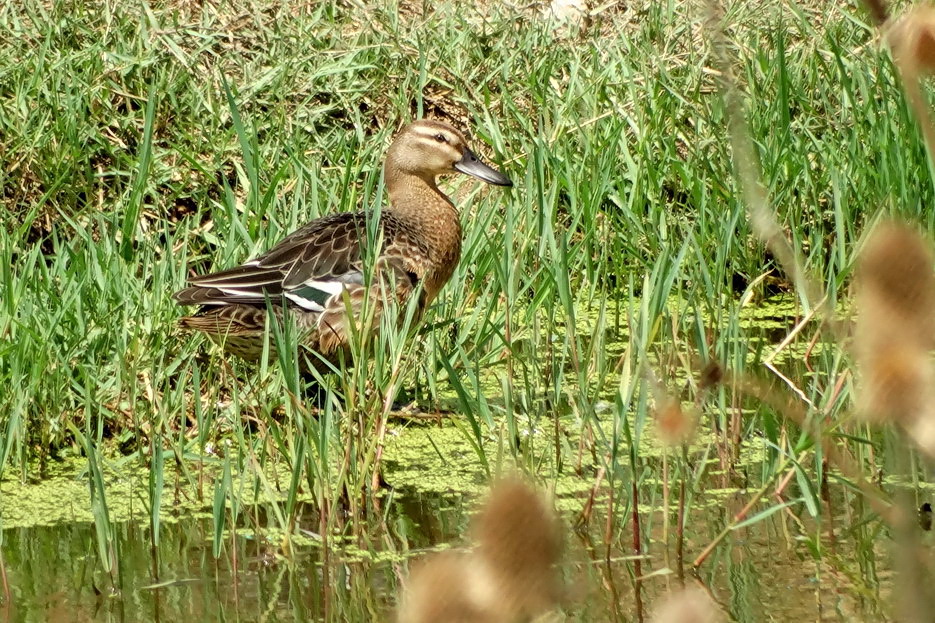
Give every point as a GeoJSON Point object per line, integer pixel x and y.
{"type": "Point", "coordinates": [237, 292]}
{"type": "Point", "coordinates": [331, 287]}
{"type": "Point", "coordinates": [304, 303]}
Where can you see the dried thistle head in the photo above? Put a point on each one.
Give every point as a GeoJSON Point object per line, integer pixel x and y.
{"type": "Point", "coordinates": [711, 376]}
{"type": "Point", "coordinates": [895, 330]}
{"type": "Point", "coordinates": [895, 381]}
{"type": "Point", "coordinates": [912, 39]}
{"type": "Point", "coordinates": [519, 542]}
{"type": "Point", "coordinates": [675, 424]}
{"type": "Point", "coordinates": [442, 589]}
{"type": "Point", "coordinates": [896, 280]}
{"type": "Point", "coordinates": [690, 605]}
{"type": "Point", "coordinates": [509, 577]}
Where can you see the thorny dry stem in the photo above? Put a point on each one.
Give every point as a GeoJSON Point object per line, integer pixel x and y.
{"type": "Point", "coordinates": [765, 225]}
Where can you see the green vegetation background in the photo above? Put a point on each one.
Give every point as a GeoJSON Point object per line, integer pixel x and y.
{"type": "Point", "coordinates": [142, 141]}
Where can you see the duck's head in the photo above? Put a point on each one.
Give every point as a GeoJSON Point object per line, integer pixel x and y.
{"type": "Point", "coordinates": [430, 148]}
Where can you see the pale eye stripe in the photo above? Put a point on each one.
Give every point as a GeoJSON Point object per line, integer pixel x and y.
{"type": "Point", "coordinates": [430, 134]}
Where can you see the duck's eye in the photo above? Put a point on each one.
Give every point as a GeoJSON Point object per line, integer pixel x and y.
{"type": "Point", "coordinates": [441, 138]}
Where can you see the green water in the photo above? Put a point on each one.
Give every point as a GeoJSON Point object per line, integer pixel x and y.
{"type": "Point", "coordinates": [764, 572]}
{"type": "Point", "coordinates": [785, 567]}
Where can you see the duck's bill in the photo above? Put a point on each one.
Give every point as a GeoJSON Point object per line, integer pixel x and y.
{"type": "Point", "coordinates": [472, 165]}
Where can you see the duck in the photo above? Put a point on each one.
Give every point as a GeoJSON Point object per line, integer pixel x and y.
{"type": "Point", "coordinates": [318, 274]}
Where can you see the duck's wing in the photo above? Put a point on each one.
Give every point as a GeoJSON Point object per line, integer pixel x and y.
{"type": "Point", "coordinates": [307, 267]}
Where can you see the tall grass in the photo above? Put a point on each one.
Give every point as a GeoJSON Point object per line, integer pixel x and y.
{"type": "Point", "coordinates": [143, 143]}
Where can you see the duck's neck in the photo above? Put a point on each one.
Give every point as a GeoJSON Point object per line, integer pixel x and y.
{"type": "Point", "coordinates": [418, 201]}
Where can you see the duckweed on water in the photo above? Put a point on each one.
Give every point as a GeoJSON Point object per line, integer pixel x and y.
{"type": "Point", "coordinates": [209, 130]}
{"type": "Point", "coordinates": [64, 497]}
{"type": "Point", "coordinates": [428, 459]}
{"type": "Point", "coordinates": [434, 459]}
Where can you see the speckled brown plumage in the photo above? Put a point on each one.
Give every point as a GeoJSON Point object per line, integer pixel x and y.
{"type": "Point", "coordinates": [314, 270]}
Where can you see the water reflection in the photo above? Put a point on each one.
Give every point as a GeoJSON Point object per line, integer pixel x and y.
{"type": "Point", "coordinates": [759, 573]}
